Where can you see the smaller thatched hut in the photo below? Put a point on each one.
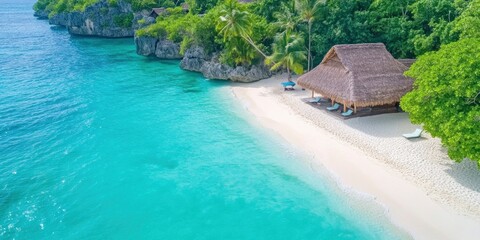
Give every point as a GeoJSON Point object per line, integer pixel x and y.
{"type": "Point", "coordinates": [157, 12]}
{"type": "Point", "coordinates": [359, 75]}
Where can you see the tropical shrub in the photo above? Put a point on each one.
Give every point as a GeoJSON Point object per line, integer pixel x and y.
{"type": "Point", "coordinates": [446, 97]}
{"type": "Point", "coordinates": [175, 26]}
{"type": "Point", "coordinates": [467, 25]}
{"type": "Point", "coordinates": [201, 6]}
{"type": "Point", "coordinates": [124, 20]}
{"type": "Point", "coordinates": [205, 34]}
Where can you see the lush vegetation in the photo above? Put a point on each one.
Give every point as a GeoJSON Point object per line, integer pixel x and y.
{"type": "Point", "coordinates": [60, 6]}
{"type": "Point", "coordinates": [409, 28]}
{"type": "Point", "coordinates": [124, 20]}
{"type": "Point", "coordinates": [446, 98]}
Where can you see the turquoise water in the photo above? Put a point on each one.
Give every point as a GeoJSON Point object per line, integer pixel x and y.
{"type": "Point", "coordinates": [99, 143]}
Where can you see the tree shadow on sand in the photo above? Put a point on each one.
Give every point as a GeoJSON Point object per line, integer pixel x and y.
{"type": "Point", "coordinates": [386, 125]}
{"type": "Point", "coordinates": [466, 173]}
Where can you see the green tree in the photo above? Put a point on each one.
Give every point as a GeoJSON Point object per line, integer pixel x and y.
{"type": "Point", "coordinates": [467, 25]}
{"type": "Point", "coordinates": [41, 5]}
{"type": "Point", "coordinates": [205, 33]}
{"type": "Point", "coordinates": [201, 6]}
{"type": "Point", "coordinates": [236, 22]}
{"type": "Point", "coordinates": [286, 21]}
{"type": "Point", "coordinates": [341, 22]}
{"type": "Point", "coordinates": [268, 8]}
{"type": "Point", "coordinates": [391, 24]}
{"type": "Point", "coordinates": [308, 10]}
{"type": "Point", "coordinates": [446, 97]}
{"type": "Point", "coordinates": [431, 21]}
{"type": "Point", "coordinates": [238, 52]}
{"type": "Point", "coordinates": [288, 52]}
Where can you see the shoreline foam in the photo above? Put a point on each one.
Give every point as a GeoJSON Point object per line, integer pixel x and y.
{"type": "Point", "coordinates": [424, 192]}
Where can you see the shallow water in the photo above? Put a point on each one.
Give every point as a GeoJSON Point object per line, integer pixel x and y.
{"type": "Point", "coordinates": [97, 142]}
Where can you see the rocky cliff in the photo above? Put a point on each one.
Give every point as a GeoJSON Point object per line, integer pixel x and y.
{"type": "Point", "coordinates": [101, 19]}
{"type": "Point", "coordinates": [41, 14]}
{"type": "Point", "coordinates": [59, 19]}
{"type": "Point", "coordinates": [196, 60]}
{"type": "Point", "coordinates": [163, 49]}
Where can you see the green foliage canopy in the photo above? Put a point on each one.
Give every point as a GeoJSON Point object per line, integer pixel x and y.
{"type": "Point", "coordinates": [201, 6]}
{"type": "Point", "coordinates": [236, 22]}
{"type": "Point", "coordinates": [288, 52]}
{"type": "Point", "coordinates": [467, 25]}
{"type": "Point", "coordinates": [175, 26]}
{"type": "Point", "coordinates": [446, 98]}
{"type": "Point", "coordinates": [123, 20]}
{"type": "Point", "coordinates": [59, 6]}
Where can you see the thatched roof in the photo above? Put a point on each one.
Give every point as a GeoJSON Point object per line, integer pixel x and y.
{"type": "Point", "coordinates": [157, 12]}
{"type": "Point", "coordinates": [407, 62]}
{"type": "Point", "coordinates": [359, 74]}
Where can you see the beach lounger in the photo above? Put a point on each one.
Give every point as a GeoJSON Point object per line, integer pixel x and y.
{"type": "Point", "coordinates": [347, 113]}
{"type": "Point", "coordinates": [288, 83]}
{"type": "Point", "coordinates": [318, 100]}
{"type": "Point", "coordinates": [416, 134]}
{"type": "Point", "coordinates": [335, 107]}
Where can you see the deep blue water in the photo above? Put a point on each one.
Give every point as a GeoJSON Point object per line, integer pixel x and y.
{"type": "Point", "coordinates": [99, 143]}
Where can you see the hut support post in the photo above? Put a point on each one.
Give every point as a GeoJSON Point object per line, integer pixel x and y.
{"type": "Point", "coordinates": [354, 108]}
{"type": "Point", "coordinates": [344, 107]}
{"type": "Point", "coordinates": [313, 94]}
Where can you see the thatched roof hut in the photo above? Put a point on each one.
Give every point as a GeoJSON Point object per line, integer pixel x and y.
{"type": "Point", "coordinates": [407, 62]}
{"type": "Point", "coordinates": [157, 12]}
{"type": "Point", "coordinates": [359, 75]}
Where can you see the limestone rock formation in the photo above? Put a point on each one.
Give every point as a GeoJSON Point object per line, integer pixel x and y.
{"type": "Point", "coordinates": [102, 19]}
{"type": "Point", "coordinates": [41, 14]}
{"type": "Point", "coordinates": [193, 59]}
{"type": "Point", "coordinates": [163, 49]}
{"type": "Point", "coordinates": [196, 60]}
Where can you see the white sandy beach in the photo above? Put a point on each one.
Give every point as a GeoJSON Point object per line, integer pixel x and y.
{"type": "Point", "coordinates": [425, 193]}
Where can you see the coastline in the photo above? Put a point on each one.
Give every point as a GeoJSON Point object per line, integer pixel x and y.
{"type": "Point", "coordinates": [425, 193]}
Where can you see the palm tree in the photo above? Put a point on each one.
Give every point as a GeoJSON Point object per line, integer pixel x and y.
{"type": "Point", "coordinates": [308, 9]}
{"type": "Point", "coordinates": [285, 19]}
{"type": "Point", "coordinates": [288, 52]}
{"type": "Point", "coordinates": [236, 23]}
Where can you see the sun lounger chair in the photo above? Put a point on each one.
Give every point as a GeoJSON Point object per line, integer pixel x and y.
{"type": "Point", "coordinates": [335, 107]}
{"type": "Point", "coordinates": [416, 134]}
{"type": "Point", "coordinates": [288, 83]}
{"type": "Point", "coordinates": [318, 100]}
{"type": "Point", "coordinates": [315, 100]}
{"type": "Point", "coordinates": [347, 113]}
